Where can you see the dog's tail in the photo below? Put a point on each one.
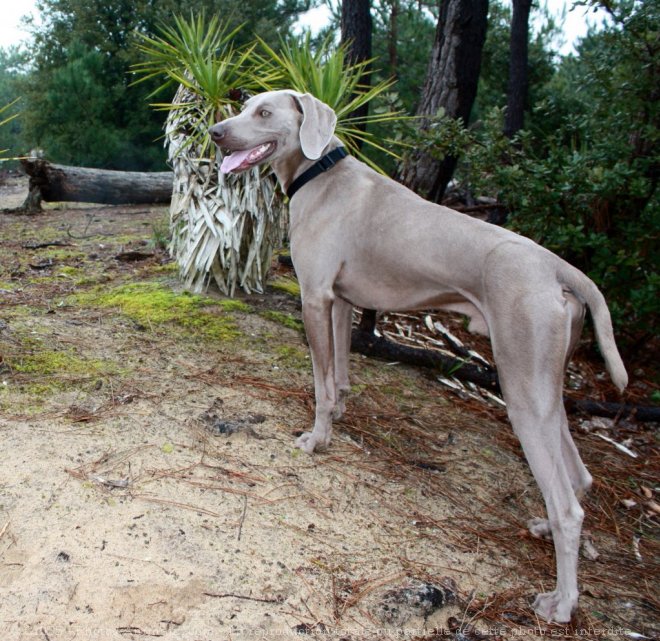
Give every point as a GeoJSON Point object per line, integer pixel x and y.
{"type": "Point", "coordinates": [586, 289]}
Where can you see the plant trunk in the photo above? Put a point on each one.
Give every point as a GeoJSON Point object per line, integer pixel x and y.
{"type": "Point", "coordinates": [518, 68]}
{"type": "Point", "coordinates": [451, 85]}
{"type": "Point", "coordinates": [224, 227]}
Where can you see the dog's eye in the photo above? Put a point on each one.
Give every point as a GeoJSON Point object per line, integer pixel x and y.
{"type": "Point", "coordinates": [264, 113]}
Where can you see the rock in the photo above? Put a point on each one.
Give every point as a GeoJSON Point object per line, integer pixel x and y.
{"type": "Point", "coordinates": [418, 598]}
{"type": "Point", "coordinates": [220, 425]}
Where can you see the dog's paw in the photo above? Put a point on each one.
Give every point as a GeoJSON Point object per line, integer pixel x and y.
{"type": "Point", "coordinates": [552, 607]}
{"type": "Point", "coordinates": [340, 408]}
{"type": "Point", "coordinates": [309, 442]}
{"type": "Point", "coordinates": [540, 528]}
{"type": "Point", "coordinates": [338, 411]}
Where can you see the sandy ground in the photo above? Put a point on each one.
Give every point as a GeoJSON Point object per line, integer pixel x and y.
{"type": "Point", "coordinates": [156, 492]}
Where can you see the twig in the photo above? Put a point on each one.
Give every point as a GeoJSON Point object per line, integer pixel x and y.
{"type": "Point", "coordinates": [243, 596]}
{"type": "Point", "coordinates": [619, 446]}
{"type": "Point", "coordinates": [4, 529]}
{"type": "Point", "coordinates": [135, 630]}
{"type": "Point", "coordinates": [185, 506]}
{"type": "Point", "coordinates": [240, 524]}
{"type": "Point", "coordinates": [54, 243]}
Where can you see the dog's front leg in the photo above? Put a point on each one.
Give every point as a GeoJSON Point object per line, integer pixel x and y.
{"type": "Point", "coordinates": [317, 316]}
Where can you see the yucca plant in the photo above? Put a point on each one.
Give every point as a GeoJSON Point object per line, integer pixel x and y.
{"type": "Point", "coordinates": [7, 119]}
{"type": "Point", "coordinates": [326, 74]}
{"type": "Point", "coordinates": [223, 228]}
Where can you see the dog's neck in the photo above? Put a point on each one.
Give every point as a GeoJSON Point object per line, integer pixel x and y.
{"type": "Point", "coordinates": [289, 167]}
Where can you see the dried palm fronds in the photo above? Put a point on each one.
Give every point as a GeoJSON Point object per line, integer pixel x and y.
{"type": "Point", "coordinates": [224, 227]}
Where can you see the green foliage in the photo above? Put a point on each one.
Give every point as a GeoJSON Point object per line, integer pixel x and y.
{"type": "Point", "coordinates": [70, 116]}
{"type": "Point", "coordinates": [199, 54]}
{"type": "Point", "coordinates": [588, 190]}
{"type": "Point", "coordinates": [90, 47]}
{"type": "Point", "coordinates": [412, 42]}
{"type": "Point", "coordinates": [494, 76]}
{"type": "Point", "coordinates": [441, 136]}
{"type": "Point", "coordinates": [6, 119]}
{"type": "Point", "coordinates": [325, 73]}
{"type": "Point", "coordinates": [11, 68]}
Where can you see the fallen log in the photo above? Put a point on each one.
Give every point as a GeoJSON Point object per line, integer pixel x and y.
{"type": "Point", "coordinates": [59, 183]}
{"type": "Point", "coordinates": [642, 413]}
{"type": "Point", "coordinates": [367, 343]}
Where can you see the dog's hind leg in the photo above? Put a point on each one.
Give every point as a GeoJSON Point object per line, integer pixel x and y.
{"type": "Point", "coordinates": [578, 474]}
{"type": "Point", "coordinates": [581, 480]}
{"type": "Point", "coordinates": [342, 316]}
{"type": "Point", "coordinates": [530, 359]}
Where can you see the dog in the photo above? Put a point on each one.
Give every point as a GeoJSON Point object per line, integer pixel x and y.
{"type": "Point", "coordinates": [360, 238]}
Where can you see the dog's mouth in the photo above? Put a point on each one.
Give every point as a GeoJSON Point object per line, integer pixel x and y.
{"type": "Point", "coordinates": [241, 160]}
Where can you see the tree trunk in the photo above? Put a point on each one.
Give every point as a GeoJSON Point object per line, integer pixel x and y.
{"type": "Point", "coordinates": [356, 35]}
{"type": "Point", "coordinates": [451, 84]}
{"type": "Point", "coordinates": [392, 47]}
{"type": "Point", "coordinates": [518, 68]}
{"type": "Point", "coordinates": [356, 25]}
{"type": "Point", "coordinates": [58, 183]}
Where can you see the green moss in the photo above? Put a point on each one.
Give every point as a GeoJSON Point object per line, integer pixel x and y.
{"type": "Point", "coordinates": [67, 270]}
{"type": "Point", "coordinates": [54, 362]}
{"type": "Point", "coordinates": [167, 268]}
{"type": "Point", "coordinates": [91, 280]}
{"type": "Point", "coordinates": [284, 319]}
{"type": "Point", "coordinates": [233, 305]}
{"type": "Point", "coordinates": [35, 370]}
{"type": "Point", "coordinates": [153, 304]}
{"type": "Point", "coordinates": [58, 254]}
{"type": "Point", "coordinates": [287, 285]}
{"type": "Point", "coordinates": [293, 357]}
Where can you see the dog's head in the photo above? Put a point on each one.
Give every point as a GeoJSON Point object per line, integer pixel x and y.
{"type": "Point", "coordinates": [273, 125]}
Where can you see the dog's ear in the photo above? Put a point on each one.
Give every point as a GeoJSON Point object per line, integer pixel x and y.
{"type": "Point", "coordinates": [318, 125]}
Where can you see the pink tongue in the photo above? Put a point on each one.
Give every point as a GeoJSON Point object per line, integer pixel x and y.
{"type": "Point", "coordinates": [235, 159]}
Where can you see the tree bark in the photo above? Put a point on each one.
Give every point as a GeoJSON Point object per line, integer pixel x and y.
{"type": "Point", "coordinates": [451, 84]}
{"type": "Point", "coordinates": [392, 47]}
{"type": "Point", "coordinates": [518, 68]}
{"type": "Point", "coordinates": [356, 27]}
{"type": "Point", "coordinates": [57, 183]}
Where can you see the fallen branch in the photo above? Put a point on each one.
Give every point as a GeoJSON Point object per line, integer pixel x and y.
{"type": "Point", "coordinates": [380, 347]}
{"type": "Point", "coordinates": [54, 243]}
{"type": "Point", "coordinates": [642, 413]}
{"type": "Point", "coordinates": [242, 596]}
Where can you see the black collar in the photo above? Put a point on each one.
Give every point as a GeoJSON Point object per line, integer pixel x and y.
{"type": "Point", "coordinates": [323, 164]}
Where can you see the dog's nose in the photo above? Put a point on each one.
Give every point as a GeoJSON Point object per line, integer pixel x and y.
{"type": "Point", "coordinates": [217, 132]}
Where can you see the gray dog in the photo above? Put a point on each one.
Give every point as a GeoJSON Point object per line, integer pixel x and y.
{"type": "Point", "coordinates": [359, 238]}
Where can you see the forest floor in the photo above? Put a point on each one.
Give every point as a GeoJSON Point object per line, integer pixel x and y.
{"type": "Point", "coordinates": [149, 484]}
